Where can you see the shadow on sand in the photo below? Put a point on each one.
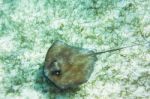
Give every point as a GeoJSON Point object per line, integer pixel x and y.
{"type": "Point", "coordinates": [44, 86]}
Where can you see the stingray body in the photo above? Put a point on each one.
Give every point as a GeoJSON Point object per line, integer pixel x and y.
{"type": "Point", "coordinates": [67, 66]}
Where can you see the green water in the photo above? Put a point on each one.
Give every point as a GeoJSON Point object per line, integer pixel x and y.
{"type": "Point", "coordinates": [28, 28]}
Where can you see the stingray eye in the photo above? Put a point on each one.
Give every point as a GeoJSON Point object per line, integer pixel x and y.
{"type": "Point", "coordinates": [55, 68]}
{"type": "Point", "coordinates": [56, 72]}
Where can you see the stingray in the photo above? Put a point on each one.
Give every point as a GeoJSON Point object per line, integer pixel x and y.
{"type": "Point", "coordinates": [68, 66]}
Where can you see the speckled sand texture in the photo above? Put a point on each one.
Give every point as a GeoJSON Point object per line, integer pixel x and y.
{"type": "Point", "coordinates": [28, 28]}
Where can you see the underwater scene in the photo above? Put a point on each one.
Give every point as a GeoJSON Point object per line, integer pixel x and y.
{"type": "Point", "coordinates": [74, 49]}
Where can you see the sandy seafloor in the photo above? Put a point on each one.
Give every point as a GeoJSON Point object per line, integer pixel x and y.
{"type": "Point", "coordinates": [28, 28]}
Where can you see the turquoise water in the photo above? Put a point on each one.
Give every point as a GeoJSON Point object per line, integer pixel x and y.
{"type": "Point", "coordinates": [28, 28]}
